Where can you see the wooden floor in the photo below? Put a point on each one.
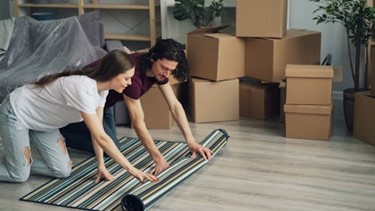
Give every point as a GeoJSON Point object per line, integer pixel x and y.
{"type": "Point", "coordinates": [258, 169]}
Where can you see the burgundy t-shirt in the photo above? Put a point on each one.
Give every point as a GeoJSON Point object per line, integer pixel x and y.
{"type": "Point", "coordinates": [140, 83]}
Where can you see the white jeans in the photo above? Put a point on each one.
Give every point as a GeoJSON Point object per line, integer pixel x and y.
{"type": "Point", "coordinates": [16, 162]}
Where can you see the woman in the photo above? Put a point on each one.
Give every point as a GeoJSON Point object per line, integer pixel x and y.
{"type": "Point", "coordinates": [35, 112]}
{"type": "Point", "coordinates": [155, 66]}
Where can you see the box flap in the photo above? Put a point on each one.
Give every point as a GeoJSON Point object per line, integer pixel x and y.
{"type": "Point", "coordinates": [309, 71]}
{"type": "Point", "coordinates": [309, 109]}
{"type": "Point", "coordinates": [212, 29]}
{"type": "Point", "coordinates": [219, 35]}
{"type": "Point", "coordinates": [291, 33]}
{"type": "Point", "coordinates": [362, 93]}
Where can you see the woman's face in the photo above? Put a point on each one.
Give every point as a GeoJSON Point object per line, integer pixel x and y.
{"type": "Point", "coordinates": [121, 81]}
{"type": "Point", "coordinates": [163, 68]}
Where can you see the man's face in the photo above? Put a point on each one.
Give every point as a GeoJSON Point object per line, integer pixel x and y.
{"type": "Point", "coordinates": [163, 68]}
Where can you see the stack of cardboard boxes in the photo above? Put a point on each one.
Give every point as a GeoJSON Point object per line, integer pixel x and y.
{"type": "Point", "coordinates": [269, 47]}
{"type": "Point", "coordinates": [238, 75]}
{"type": "Point", "coordinates": [216, 62]}
{"type": "Point", "coordinates": [309, 104]}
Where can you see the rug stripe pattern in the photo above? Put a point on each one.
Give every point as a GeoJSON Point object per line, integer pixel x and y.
{"type": "Point", "coordinates": [149, 193]}
{"type": "Point", "coordinates": [80, 191]}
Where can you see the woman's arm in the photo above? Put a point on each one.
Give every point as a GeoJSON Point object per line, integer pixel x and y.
{"type": "Point", "coordinates": [179, 116]}
{"type": "Point", "coordinates": [98, 150]}
{"type": "Point", "coordinates": [102, 170]}
{"type": "Point", "coordinates": [104, 141]}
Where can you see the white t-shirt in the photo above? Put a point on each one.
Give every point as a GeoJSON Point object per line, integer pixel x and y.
{"type": "Point", "coordinates": [57, 104]}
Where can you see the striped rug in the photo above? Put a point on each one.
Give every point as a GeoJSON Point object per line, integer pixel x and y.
{"type": "Point", "coordinates": [125, 192]}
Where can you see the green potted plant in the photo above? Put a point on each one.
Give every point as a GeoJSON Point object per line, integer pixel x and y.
{"type": "Point", "coordinates": [358, 20]}
{"type": "Point", "coordinates": [196, 11]}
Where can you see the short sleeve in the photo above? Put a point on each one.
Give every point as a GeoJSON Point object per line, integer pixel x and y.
{"type": "Point", "coordinates": [103, 98]}
{"type": "Point", "coordinates": [133, 91]}
{"type": "Point", "coordinates": [82, 96]}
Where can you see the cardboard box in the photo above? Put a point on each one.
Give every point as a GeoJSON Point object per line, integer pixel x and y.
{"type": "Point", "coordinates": [282, 100]}
{"type": "Point", "coordinates": [309, 84]}
{"type": "Point", "coordinates": [308, 121]}
{"type": "Point", "coordinates": [214, 101]}
{"type": "Point", "coordinates": [156, 110]}
{"type": "Point", "coordinates": [364, 117]}
{"type": "Point", "coordinates": [259, 100]}
{"type": "Point", "coordinates": [261, 18]}
{"type": "Point", "coordinates": [215, 56]}
{"type": "Point", "coordinates": [266, 59]}
{"type": "Point", "coordinates": [121, 111]}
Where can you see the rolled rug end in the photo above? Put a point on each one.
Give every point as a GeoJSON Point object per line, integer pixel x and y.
{"type": "Point", "coordinates": [132, 203]}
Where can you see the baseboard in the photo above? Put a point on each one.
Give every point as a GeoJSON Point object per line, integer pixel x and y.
{"type": "Point", "coordinates": [337, 95]}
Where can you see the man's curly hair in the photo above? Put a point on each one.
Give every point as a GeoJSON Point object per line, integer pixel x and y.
{"type": "Point", "coordinates": [167, 49]}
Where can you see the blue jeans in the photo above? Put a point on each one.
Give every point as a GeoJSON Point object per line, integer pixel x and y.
{"type": "Point", "coordinates": [77, 135]}
{"type": "Point", "coordinates": [16, 162]}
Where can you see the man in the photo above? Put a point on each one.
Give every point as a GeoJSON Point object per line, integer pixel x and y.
{"type": "Point", "coordinates": [166, 58]}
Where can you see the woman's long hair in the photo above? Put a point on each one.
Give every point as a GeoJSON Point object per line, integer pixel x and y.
{"type": "Point", "coordinates": [167, 49]}
{"type": "Point", "coordinates": [114, 63]}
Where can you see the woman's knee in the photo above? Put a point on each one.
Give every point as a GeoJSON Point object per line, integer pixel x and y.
{"type": "Point", "coordinates": [64, 169]}
{"type": "Point", "coordinates": [62, 172]}
{"type": "Point", "coordinates": [21, 172]}
{"type": "Point", "coordinates": [20, 177]}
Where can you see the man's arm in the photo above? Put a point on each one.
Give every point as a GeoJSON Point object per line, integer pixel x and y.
{"type": "Point", "coordinates": [179, 116]}
{"type": "Point", "coordinates": [178, 112]}
{"type": "Point", "coordinates": [137, 120]}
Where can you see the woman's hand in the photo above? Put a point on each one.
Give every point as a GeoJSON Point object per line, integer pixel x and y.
{"type": "Point", "coordinates": [197, 148]}
{"type": "Point", "coordinates": [142, 176]}
{"type": "Point", "coordinates": [103, 173]}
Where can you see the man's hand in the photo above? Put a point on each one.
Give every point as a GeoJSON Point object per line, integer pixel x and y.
{"type": "Point", "coordinates": [103, 174]}
{"type": "Point", "coordinates": [161, 165]}
{"type": "Point", "coordinates": [197, 148]}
